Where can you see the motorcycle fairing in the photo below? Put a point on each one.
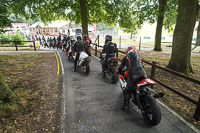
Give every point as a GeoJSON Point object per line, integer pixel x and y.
{"type": "Point", "coordinates": [145, 82]}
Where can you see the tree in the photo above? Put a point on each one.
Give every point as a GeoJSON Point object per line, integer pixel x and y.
{"type": "Point", "coordinates": [181, 47]}
{"type": "Point", "coordinates": [127, 21]}
{"type": "Point", "coordinates": [84, 17]}
{"type": "Point", "coordinates": [78, 11]}
{"type": "Point", "coordinates": [5, 22]}
{"type": "Point", "coordinates": [156, 10]}
{"type": "Point", "coordinates": [161, 12]}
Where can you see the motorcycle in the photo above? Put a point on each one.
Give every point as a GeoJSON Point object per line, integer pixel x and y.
{"type": "Point", "coordinates": [141, 96]}
{"type": "Point", "coordinates": [83, 62]}
{"type": "Point", "coordinates": [69, 50]}
{"type": "Point", "coordinates": [111, 68]}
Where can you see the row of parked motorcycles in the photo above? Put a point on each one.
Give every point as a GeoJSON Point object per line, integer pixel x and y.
{"type": "Point", "coordinates": [143, 96]}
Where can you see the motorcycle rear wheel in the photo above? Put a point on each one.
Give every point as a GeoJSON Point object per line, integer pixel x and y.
{"type": "Point", "coordinates": [69, 56]}
{"type": "Point", "coordinates": [114, 77]}
{"type": "Point", "coordinates": [151, 113]}
{"type": "Point", "coordinates": [87, 67]}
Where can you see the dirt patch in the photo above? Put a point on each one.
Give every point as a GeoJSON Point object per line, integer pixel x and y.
{"type": "Point", "coordinates": [33, 77]}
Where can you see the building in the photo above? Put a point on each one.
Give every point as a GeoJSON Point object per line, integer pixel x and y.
{"type": "Point", "coordinates": [52, 29]}
{"type": "Point", "coordinates": [21, 27]}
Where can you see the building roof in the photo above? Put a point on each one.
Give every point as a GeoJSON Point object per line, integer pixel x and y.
{"type": "Point", "coordinates": [53, 24]}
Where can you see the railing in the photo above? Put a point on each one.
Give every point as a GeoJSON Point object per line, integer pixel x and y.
{"type": "Point", "coordinates": [17, 42]}
{"type": "Point", "coordinates": [154, 66]}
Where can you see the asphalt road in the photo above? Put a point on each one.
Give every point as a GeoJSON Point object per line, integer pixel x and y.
{"type": "Point", "coordinates": [92, 104]}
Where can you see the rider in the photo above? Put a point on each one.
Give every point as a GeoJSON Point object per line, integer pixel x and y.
{"type": "Point", "coordinates": [54, 42]}
{"type": "Point", "coordinates": [59, 41]}
{"type": "Point", "coordinates": [136, 72]}
{"type": "Point", "coordinates": [79, 46]}
{"type": "Point", "coordinates": [88, 41]}
{"type": "Point", "coordinates": [110, 49]}
{"type": "Point", "coordinates": [64, 42]}
{"type": "Point", "coordinates": [106, 39]}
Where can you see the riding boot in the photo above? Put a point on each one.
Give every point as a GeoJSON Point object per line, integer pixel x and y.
{"type": "Point", "coordinates": [126, 102]}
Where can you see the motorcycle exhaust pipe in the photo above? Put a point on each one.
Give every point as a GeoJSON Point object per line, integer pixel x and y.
{"type": "Point", "coordinates": [158, 95]}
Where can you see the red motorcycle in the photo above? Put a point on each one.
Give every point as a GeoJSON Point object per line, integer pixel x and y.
{"type": "Point", "coordinates": [142, 98]}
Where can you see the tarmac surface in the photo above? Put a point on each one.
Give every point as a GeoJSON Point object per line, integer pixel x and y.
{"type": "Point", "coordinates": [92, 104]}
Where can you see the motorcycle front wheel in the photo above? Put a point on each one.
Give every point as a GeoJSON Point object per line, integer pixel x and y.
{"type": "Point", "coordinates": [151, 111]}
{"type": "Point", "coordinates": [87, 67]}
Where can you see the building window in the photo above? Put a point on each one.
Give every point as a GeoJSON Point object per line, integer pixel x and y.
{"type": "Point", "coordinates": [30, 29]}
{"type": "Point", "coordinates": [56, 30]}
{"type": "Point", "coordinates": [163, 38]}
{"type": "Point", "coordinates": [63, 31]}
{"type": "Point", "coordinates": [51, 30]}
{"type": "Point", "coordinates": [47, 30]}
{"type": "Point", "coordinates": [33, 29]}
{"type": "Point", "coordinates": [147, 37]}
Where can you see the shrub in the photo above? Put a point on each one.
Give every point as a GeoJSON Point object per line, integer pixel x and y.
{"type": "Point", "coordinates": [12, 37]}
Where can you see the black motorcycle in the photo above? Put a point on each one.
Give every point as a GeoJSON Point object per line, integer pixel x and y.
{"type": "Point", "coordinates": [111, 68]}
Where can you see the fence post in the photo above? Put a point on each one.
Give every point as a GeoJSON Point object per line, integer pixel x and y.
{"type": "Point", "coordinates": [98, 40]}
{"type": "Point", "coordinates": [16, 45]}
{"type": "Point", "coordinates": [34, 45]}
{"type": "Point", "coordinates": [140, 44]}
{"type": "Point", "coordinates": [120, 41]}
{"type": "Point", "coordinates": [197, 111]}
{"type": "Point", "coordinates": [96, 50]}
{"type": "Point", "coordinates": [153, 69]}
{"type": "Point", "coordinates": [117, 53]}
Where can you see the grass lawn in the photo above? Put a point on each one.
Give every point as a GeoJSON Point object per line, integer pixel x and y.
{"type": "Point", "coordinates": [33, 78]}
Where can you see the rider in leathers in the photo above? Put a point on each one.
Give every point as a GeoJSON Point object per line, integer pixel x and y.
{"type": "Point", "coordinates": [110, 49]}
{"type": "Point", "coordinates": [136, 72]}
{"type": "Point", "coordinates": [79, 46]}
{"type": "Point", "coordinates": [87, 41]}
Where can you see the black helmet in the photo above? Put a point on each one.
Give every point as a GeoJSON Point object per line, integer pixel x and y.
{"type": "Point", "coordinates": [108, 38]}
{"type": "Point", "coordinates": [78, 37]}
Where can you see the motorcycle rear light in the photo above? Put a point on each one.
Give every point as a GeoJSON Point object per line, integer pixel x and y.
{"type": "Point", "coordinates": [116, 64]}
{"type": "Point", "coordinates": [115, 58]}
{"type": "Point", "coordinates": [85, 57]}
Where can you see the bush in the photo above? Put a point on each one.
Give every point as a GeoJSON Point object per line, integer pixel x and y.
{"type": "Point", "coordinates": [12, 37]}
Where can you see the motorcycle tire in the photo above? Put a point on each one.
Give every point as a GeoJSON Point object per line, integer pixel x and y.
{"type": "Point", "coordinates": [114, 77]}
{"type": "Point", "coordinates": [151, 111]}
{"type": "Point", "coordinates": [69, 56]}
{"type": "Point", "coordinates": [87, 67]}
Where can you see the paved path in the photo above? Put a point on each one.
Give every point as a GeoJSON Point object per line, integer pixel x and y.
{"type": "Point", "coordinates": [92, 105]}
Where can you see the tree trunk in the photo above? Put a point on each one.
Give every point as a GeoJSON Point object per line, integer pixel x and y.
{"type": "Point", "coordinates": [84, 20]}
{"type": "Point", "coordinates": [182, 39]}
{"type": "Point", "coordinates": [162, 4]}
{"type": "Point", "coordinates": [5, 93]}
{"type": "Point", "coordinates": [131, 35]}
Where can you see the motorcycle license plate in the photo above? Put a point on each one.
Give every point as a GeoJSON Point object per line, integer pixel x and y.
{"type": "Point", "coordinates": [111, 64]}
